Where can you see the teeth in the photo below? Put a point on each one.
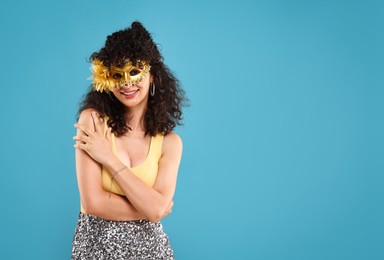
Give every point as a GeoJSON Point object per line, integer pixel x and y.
{"type": "Point", "coordinates": [129, 93]}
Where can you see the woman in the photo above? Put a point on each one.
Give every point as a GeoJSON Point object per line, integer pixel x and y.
{"type": "Point", "coordinates": [127, 156]}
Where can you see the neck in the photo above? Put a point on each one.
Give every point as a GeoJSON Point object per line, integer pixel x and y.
{"type": "Point", "coordinates": [135, 117]}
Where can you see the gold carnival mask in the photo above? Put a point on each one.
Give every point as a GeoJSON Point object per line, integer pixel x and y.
{"type": "Point", "coordinates": [105, 79]}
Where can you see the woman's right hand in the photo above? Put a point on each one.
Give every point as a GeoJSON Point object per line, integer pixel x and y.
{"type": "Point", "coordinates": [168, 210]}
{"type": "Point", "coordinates": [93, 141]}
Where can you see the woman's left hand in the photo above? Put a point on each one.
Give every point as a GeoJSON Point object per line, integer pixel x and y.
{"type": "Point", "coordinates": [93, 141]}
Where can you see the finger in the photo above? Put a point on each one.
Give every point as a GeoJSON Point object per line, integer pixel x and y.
{"type": "Point", "coordinates": [93, 121]}
{"type": "Point", "coordinates": [80, 146]}
{"type": "Point", "coordinates": [83, 129]}
{"type": "Point", "coordinates": [96, 122]}
{"type": "Point", "coordinates": [166, 213]}
{"type": "Point", "coordinates": [81, 138]}
{"type": "Point", "coordinates": [170, 206]}
{"type": "Point", "coordinates": [109, 133]}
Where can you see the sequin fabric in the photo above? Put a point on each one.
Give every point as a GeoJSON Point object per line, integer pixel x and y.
{"type": "Point", "coordinates": [101, 239]}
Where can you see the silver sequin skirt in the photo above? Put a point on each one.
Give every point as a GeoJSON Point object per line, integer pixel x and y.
{"type": "Point", "coordinates": [98, 238]}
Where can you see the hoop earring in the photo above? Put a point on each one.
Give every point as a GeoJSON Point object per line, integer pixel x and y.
{"type": "Point", "coordinates": [152, 89]}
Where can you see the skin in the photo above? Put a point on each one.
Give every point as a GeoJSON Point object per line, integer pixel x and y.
{"type": "Point", "coordinates": [94, 149]}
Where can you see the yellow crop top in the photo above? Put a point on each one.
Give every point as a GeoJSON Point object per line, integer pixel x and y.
{"type": "Point", "coordinates": [146, 171]}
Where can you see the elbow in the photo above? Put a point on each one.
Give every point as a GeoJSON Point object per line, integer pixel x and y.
{"type": "Point", "coordinates": [90, 206]}
{"type": "Point", "coordinates": [160, 212]}
{"type": "Point", "coordinates": [156, 215]}
{"type": "Point", "coordinates": [154, 218]}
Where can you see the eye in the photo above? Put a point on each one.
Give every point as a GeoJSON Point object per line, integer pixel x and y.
{"type": "Point", "coordinates": [134, 72]}
{"type": "Point", "coordinates": [117, 76]}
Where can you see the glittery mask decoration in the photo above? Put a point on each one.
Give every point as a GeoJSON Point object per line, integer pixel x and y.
{"type": "Point", "coordinates": [105, 79]}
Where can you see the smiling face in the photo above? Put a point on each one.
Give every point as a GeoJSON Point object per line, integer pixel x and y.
{"type": "Point", "coordinates": [129, 74]}
{"type": "Point", "coordinates": [131, 94]}
{"type": "Point", "coordinates": [105, 79]}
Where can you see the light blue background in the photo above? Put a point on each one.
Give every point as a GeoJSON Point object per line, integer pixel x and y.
{"type": "Point", "coordinates": [283, 141]}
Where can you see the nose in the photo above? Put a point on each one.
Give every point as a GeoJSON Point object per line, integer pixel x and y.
{"type": "Point", "coordinates": [126, 85]}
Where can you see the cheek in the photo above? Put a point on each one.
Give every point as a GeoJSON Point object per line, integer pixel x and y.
{"type": "Point", "coordinates": [115, 91]}
{"type": "Point", "coordinates": [145, 84]}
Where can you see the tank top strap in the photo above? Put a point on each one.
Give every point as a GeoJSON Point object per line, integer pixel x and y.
{"type": "Point", "coordinates": [105, 133]}
{"type": "Point", "coordinates": [157, 144]}
{"type": "Point", "coordinates": [105, 119]}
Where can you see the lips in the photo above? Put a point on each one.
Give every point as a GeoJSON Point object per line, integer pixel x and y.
{"type": "Point", "coordinates": [129, 94]}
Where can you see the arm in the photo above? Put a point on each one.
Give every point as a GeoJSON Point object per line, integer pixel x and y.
{"type": "Point", "coordinates": [94, 199]}
{"type": "Point", "coordinates": [152, 202]}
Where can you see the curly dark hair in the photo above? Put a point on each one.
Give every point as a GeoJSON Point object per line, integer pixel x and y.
{"type": "Point", "coordinates": [164, 108]}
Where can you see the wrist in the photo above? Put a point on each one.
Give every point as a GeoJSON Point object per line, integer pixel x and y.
{"type": "Point", "coordinates": [113, 163]}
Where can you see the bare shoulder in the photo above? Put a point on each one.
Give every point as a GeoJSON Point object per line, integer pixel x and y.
{"type": "Point", "coordinates": [172, 143]}
{"type": "Point", "coordinates": [86, 116]}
